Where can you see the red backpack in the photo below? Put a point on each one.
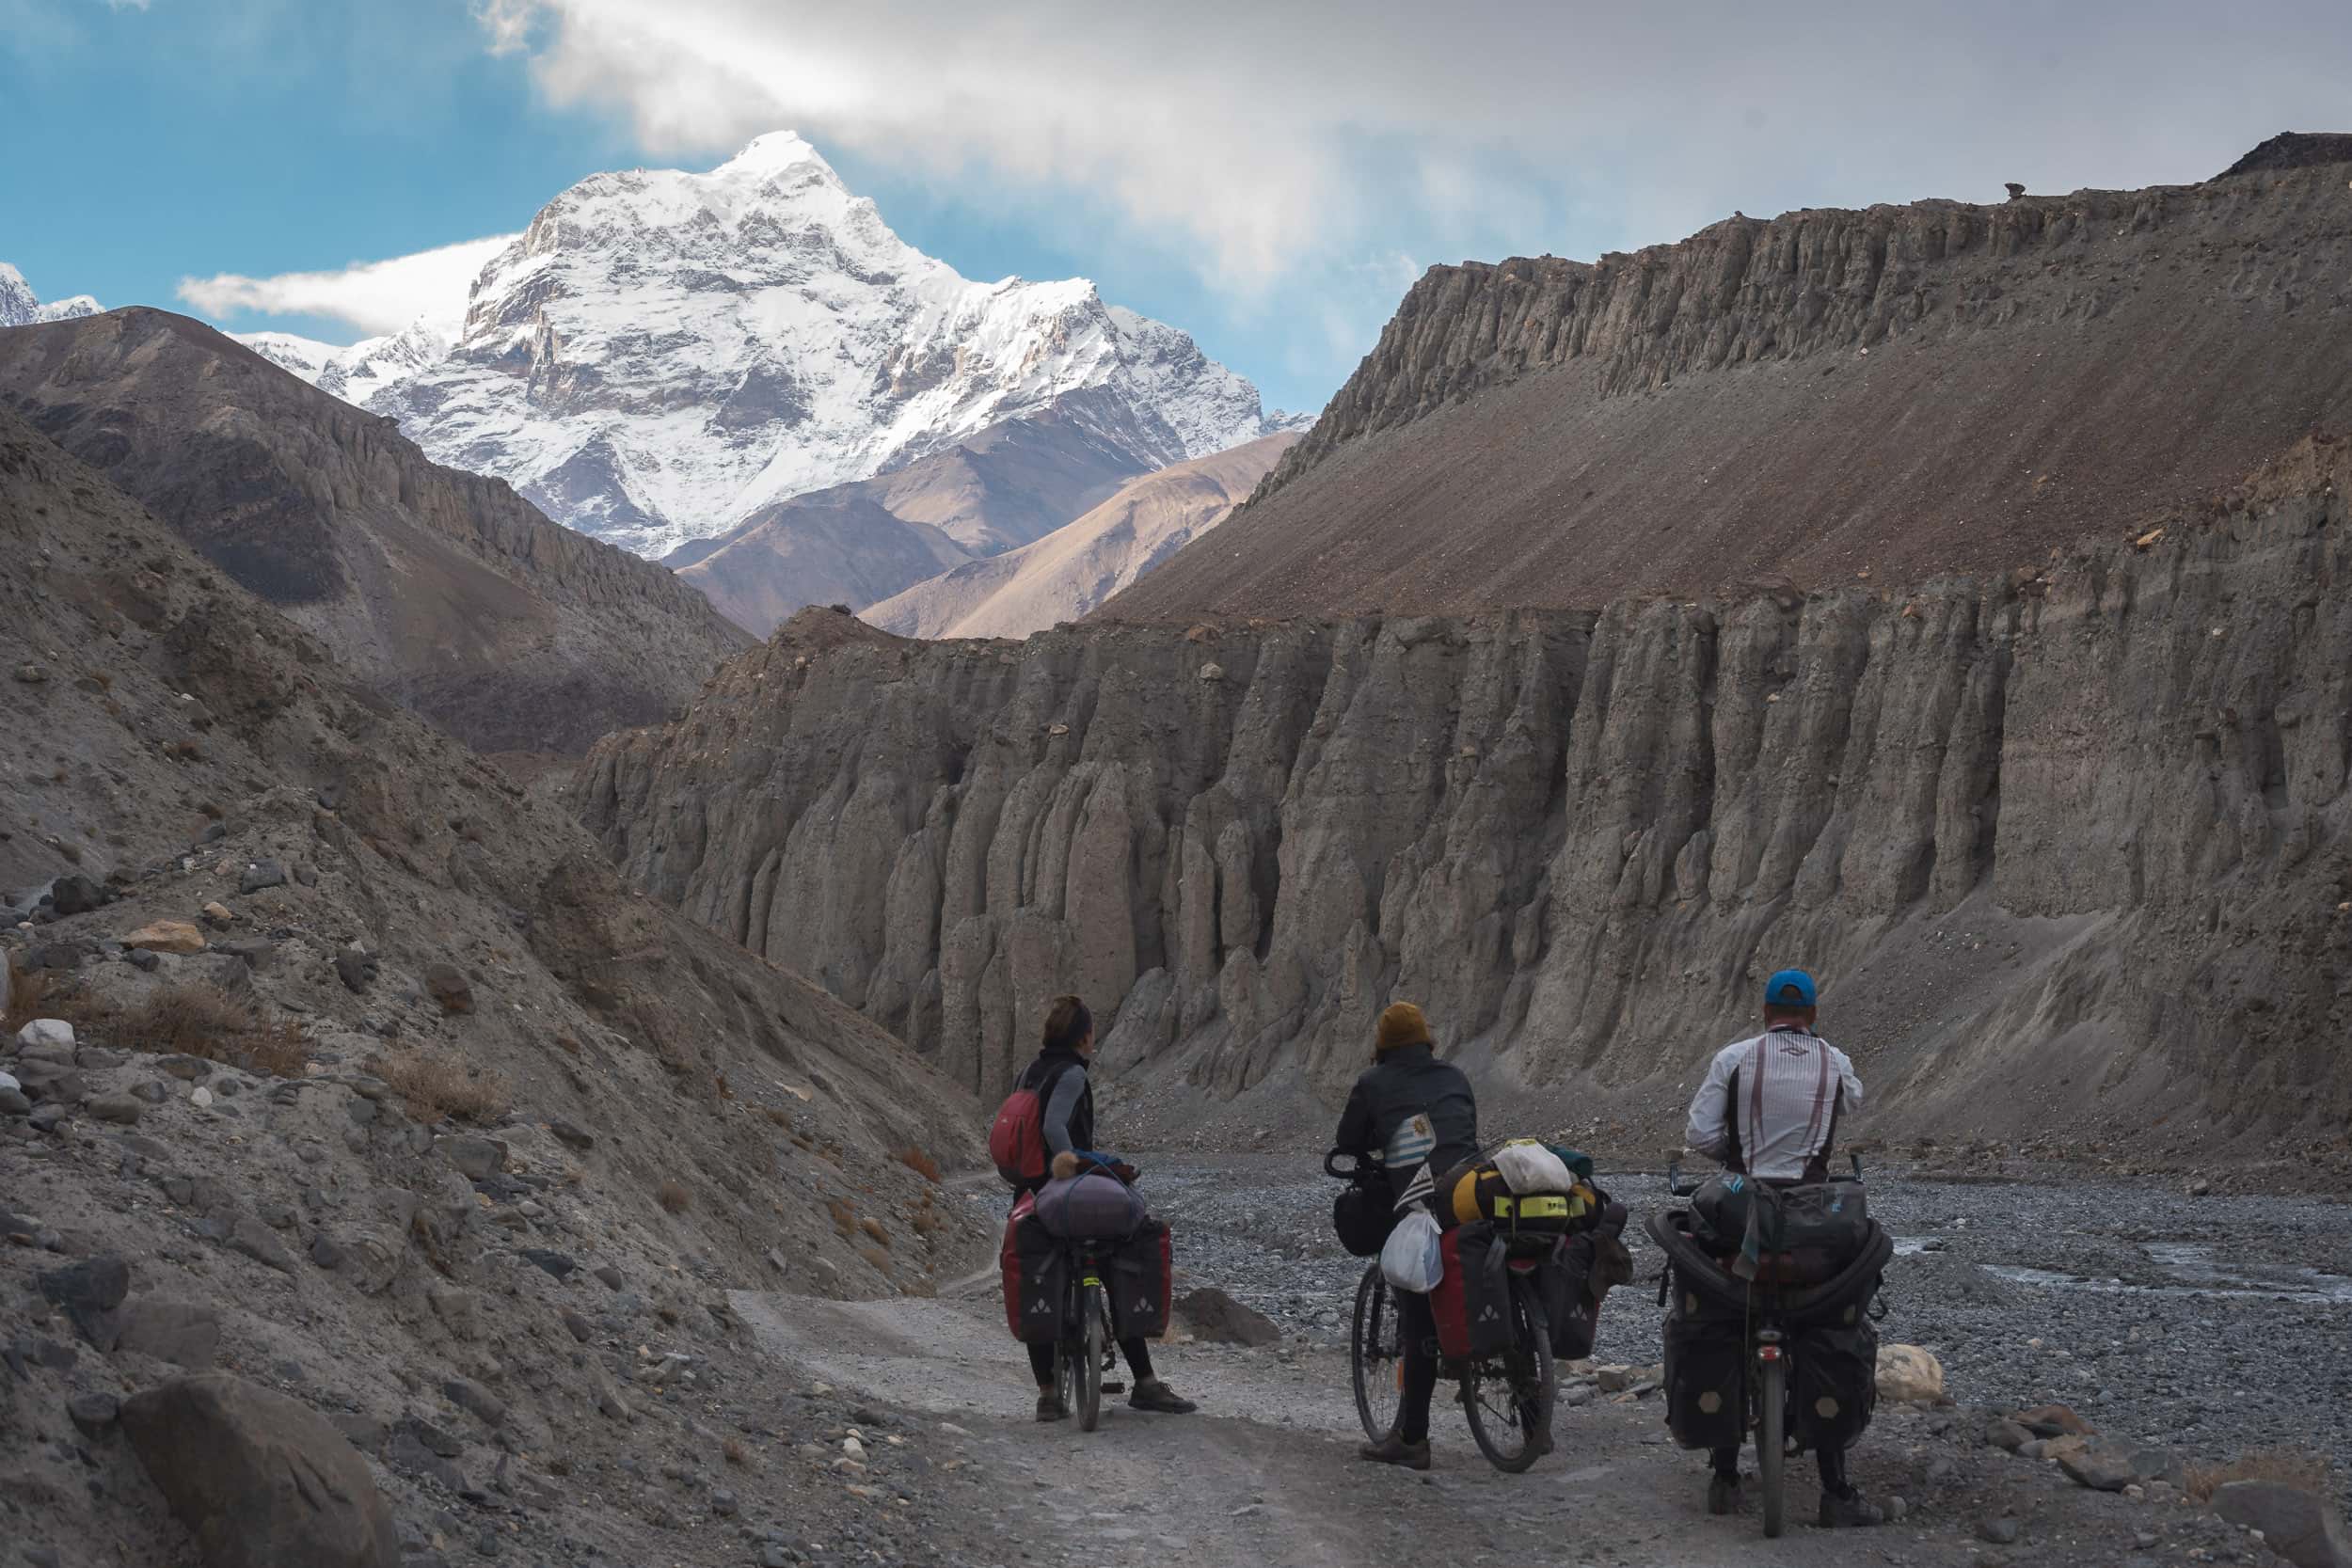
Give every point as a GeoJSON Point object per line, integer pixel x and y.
{"type": "Point", "coordinates": [1017, 1141]}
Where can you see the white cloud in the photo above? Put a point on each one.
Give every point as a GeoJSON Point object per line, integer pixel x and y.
{"type": "Point", "coordinates": [1259, 138]}
{"type": "Point", "coordinates": [373, 296]}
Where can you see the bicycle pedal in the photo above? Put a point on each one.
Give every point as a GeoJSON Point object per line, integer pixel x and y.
{"type": "Point", "coordinates": [1113, 1387]}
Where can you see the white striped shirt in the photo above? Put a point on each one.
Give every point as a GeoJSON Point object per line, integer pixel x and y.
{"type": "Point", "coordinates": [1792, 1084]}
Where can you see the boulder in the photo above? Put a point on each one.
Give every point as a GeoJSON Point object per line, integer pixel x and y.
{"type": "Point", "coordinates": [182, 1332]}
{"type": "Point", "coordinates": [75, 894]}
{"type": "Point", "coordinates": [2295, 1524]}
{"type": "Point", "coordinates": [260, 875]}
{"type": "Point", "coordinates": [1215, 1316]}
{"type": "Point", "coordinates": [122, 1109]}
{"type": "Point", "coordinates": [166, 936]}
{"type": "Point", "coordinates": [88, 1294]}
{"type": "Point", "coordinates": [1907, 1373]}
{"type": "Point", "coordinates": [474, 1158]}
{"type": "Point", "coordinates": [355, 970]}
{"type": "Point", "coordinates": [53, 1032]}
{"type": "Point", "coordinates": [259, 1481]}
{"type": "Point", "coordinates": [2102, 1469]}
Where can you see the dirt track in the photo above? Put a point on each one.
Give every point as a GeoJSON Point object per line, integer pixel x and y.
{"type": "Point", "coordinates": [1267, 1473]}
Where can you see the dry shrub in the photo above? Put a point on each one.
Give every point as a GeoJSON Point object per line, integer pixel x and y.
{"type": "Point", "coordinates": [2296, 1467]}
{"type": "Point", "coordinates": [434, 1085]}
{"type": "Point", "coordinates": [844, 1217]}
{"type": "Point", "coordinates": [927, 1222]}
{"type": "Point", "coordinates": [674, 1196]}
{"type": "Point", "coordinates": [916, 1161]}
{"type": "Point", "coordinates": [873, 1227]}
{"type": "Point", "coordinates": [876, 1258]}
{"type": "Point", "coordinates": [782, 1118]}
{"type": "Point", "coordinates": [46, 993]}
{"type": "Point", "coordinates": [204, 1021]}
{"type": "Point", "coordinates": [735, 1453]}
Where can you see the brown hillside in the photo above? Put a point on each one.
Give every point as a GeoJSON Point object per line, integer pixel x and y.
{"type": "Point", "coordinates": [445, 592]}
{"type": "Point", "coordinates": [1901, 390]}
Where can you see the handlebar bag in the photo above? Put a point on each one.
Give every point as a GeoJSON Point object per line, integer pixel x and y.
{"type": "Point", "coordinates": [1090, 1207]}
{"type": "Point", "coordinates": [1363, 1215]}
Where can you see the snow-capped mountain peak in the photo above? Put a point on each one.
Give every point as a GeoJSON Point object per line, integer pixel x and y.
{"type": "Point", "coordinates": [21, 307]}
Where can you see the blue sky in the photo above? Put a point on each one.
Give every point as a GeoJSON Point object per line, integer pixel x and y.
{"type": "Point", "coordinates": [1269, 178]}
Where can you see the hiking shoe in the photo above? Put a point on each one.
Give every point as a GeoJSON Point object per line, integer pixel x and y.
{"type": "Point", "coordinates": [1151, 1394]}
{"type": "Point", "coordinates": [1723, 1495]}
{"type": "Point", "coordinates": [1050, 1407]}
{"type": "Point", "coordinates": [1394, 1450]}
{"type": "Point", "coordinates": [1851, 1510]}
{"type": "Point", "coordinates": [1539, 1439]}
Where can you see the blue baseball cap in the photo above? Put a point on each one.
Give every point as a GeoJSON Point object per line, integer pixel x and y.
{"type": "Point", "coordinates": [1789, 987]}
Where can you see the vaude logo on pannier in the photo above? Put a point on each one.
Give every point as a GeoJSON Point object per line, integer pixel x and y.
{"type": "Point", "coordinates": [1039, 1310]}
{"type": "Point", "coordinates": [1487, 1314]}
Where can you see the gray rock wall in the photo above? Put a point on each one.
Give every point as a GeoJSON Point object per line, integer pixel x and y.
{"type": "Point", "coordinates": [2077, 830]}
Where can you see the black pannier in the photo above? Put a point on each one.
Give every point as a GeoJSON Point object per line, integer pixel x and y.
{"type": "Point", "coordinates": [1140, 1282]}
{"type": "Point", "coordinates": [1803, 1235]}
{"type": "Point", "coordinates": [1835, 1386]}
{"type": "Point", "coordinates": [1706, 1379]}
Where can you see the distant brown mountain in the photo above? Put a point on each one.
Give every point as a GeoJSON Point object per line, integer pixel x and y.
{"type": "Point", "coordinates": [856, 544]}
{"type": "Point", "coordinates": [447, 593]}
{"type": "Point", "coordinates": [1080, 564]}
{"type": "Point", "coordinates": [1814, 398]}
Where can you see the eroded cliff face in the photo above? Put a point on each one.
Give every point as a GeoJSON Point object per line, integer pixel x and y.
{"type": "Point", "coordinates": [2073, 831]}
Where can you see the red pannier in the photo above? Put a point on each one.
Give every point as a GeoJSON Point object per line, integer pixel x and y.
{"type": "Point", "coordinates": [1036, 1276]}
{"type": "Point", "coordinates": [1471, 1304]}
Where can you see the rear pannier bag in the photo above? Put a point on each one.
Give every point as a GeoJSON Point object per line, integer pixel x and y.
{"type": "Point", "coordinates": [1141, 1282]}
{"type": "Point", "coordinates": [1835, 1385]}
{"type": "Point", "coordinates": [1472, 1304]}
{"type": "Point", "coordinates": [1037, 1278]}
{"type": "Point", "coordinates": [1091, 1207]}
{"type": "Point", "coordinates": [1575, 1284]}
{"type": "Point", "coordinates": [1706, 1379]}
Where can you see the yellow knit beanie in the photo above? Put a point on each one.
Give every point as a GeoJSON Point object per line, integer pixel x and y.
{"type": "Point", "coordinates": [1401, 1025]}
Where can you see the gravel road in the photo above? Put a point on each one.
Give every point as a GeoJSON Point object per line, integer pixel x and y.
{"type": "Point", "coordinates": [2209, 1351]}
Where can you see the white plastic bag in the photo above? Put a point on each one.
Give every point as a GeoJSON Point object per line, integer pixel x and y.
{"type": "Point", "coordinates": [1527, 1166]}
{"type": "Point", "coordinates": [1411, 1258]}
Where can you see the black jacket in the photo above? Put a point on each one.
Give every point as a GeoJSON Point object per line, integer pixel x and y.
{"type": "Point", "coordinates": [1401, 1086]}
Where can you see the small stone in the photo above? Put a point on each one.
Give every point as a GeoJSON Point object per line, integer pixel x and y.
{"type": "Point", "coordinates": [2003, 1531]}
{"type": "Point", "coordinates": [582, 1329]}
{"type": "Point", "coordinates": [2199, 1187]}
{"type": "Point", "coordinates": [220, 914]}
{"type": "Point", "coordinates": [260, 875]}
{"type": "Point", "coordinates": [474, 1158]}
{"type": "Point", "coordinates": [355, 970]}
{"type": "Point", "coordinates": [124, 1110]}
{"type": "Point", "coordinates": [167, 936]}
{"type": "Point", "coordinates": [565, 1132]}
{"type": "Point", "coordinates": [200, 1097]}
{"type": "Point", "coordinates": [1906, 1372]}
{"type": "Point", "coordinates": [2295, 1524]}
{"type": "Point", "coordinates": [142, 961]}
{"type": "Point", "coordinates": [154, 1091]}
{"type": "Point", "coordinates": [325, 1252]}
{"type": "Point", "coordinates": [93, 1413]}
{"type": "Point", "coordinates": [475, 1400]}
{"type": "Point", "coordinates": [75, 894]}
{"type": "Point", "coordinates": [608, 1275]}
{"type": "Point", "coordinates": [47, 1117]}
{"type": "Point", "coordinates": [2098, 1468]}
{"type": "Point", "coordinates": [447, 985]}
{"type": "Point", "coordinates": [255, 1240]}
{"type": "Point", "coordinates": [555, 1263]}
{"type": "Point", "coordinates": [722, 1503]}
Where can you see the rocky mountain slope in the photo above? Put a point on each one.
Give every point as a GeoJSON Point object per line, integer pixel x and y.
{"type": "Point", "coordinates": [1989, 811]}
{"type": "Point", "coordinates": [390, 1109]}
{"type": "Point", "coordinates": [855, 544]}
{"type": "Point", "coordinates": [444, 592]}
{"type": "Point", "coordinates": [21, 307]}
{"type": "Point", "coordinates": [661, 355]}
{"type": "Point", "coordinates": [1896, 391]}
{"type": "Point", "coordinates": [1068, 573]}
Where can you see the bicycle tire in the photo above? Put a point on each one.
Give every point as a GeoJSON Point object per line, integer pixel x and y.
{"type": "Point", "coordinates": [1526, 1381]}
{"type": "Point", "coordinates": [1375, 1355]}
{"type": "Point", "coordinates": [1772, 1443]}
{"type": "Point", "coordinates": [1094, 1312]}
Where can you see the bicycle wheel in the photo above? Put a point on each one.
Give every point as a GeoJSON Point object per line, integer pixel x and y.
{"type": "Point", "coordinates": [1772, 1446]}
{"type": "Point", "coordinates": [1096, 1316]}
{"type": "Point", "coordinates": [1376, 1355]}
{"type": "Point", "coordinates": [1508, 1398]}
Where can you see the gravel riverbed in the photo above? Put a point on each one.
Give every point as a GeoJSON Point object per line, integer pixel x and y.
{"type": "Point", "coordinates": [2210, 1324]}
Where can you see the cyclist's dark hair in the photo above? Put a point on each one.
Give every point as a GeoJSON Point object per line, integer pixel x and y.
{"type": "Point", "coordinates": [1067, 1024]}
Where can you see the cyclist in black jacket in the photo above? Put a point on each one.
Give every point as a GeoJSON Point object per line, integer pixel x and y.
{"type": "Point", "coordinates": [1409, 1110]}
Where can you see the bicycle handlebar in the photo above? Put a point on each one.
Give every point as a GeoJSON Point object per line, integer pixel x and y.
{"type": "Point", "coordinates": [1357, 1165]}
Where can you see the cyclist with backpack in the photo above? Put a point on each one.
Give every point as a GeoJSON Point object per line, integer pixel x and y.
{"type": "Point", "coordinates": [1046, 1130]}
{"type": "Point", "coordinates": [1406, 1110]}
